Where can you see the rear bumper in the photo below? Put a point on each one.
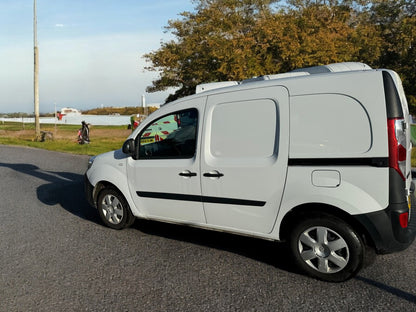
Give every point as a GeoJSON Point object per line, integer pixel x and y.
{"type": "Point", "coordinates": [384, 227]}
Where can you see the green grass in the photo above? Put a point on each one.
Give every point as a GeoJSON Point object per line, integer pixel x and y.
{"type": "Point", "coordinates": [94, 148]}
{"type": "Point", "coordinates": [103, 138]}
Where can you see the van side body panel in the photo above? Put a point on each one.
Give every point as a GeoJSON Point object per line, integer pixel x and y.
{"type": "Point", "coordinates": [340, 127]}
{"type": "Point", "coordinates": [350, 153]}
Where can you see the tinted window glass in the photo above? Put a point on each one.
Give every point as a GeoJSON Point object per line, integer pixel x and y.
{"type": "Point", "coordinates": [172, 136]}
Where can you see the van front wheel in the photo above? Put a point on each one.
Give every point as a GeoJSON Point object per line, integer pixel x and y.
{"type": "Point", "coordinates": [327, 248]}
{"type": "Point", "coordinates": [113, 209]}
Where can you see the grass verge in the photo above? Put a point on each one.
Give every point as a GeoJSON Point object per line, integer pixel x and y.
{"type": "Point", "coordinates": [103, 138]}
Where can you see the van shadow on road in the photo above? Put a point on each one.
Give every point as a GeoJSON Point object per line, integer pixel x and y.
{"type": "Point", "coordinates": [68, 192]}
{"type": "Point", "coordinates": [268, 252]}
{"type": "Point", "coordinates": [63, 188]}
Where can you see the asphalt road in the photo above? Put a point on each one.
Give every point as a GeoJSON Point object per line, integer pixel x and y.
{"type": "Point", "coordinates": [57, 256]}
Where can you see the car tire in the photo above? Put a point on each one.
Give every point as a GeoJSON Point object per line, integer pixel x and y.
{"type": "Point", "coordinates": [327, 248]}
{"type": "Point", "coordinates": [113, 209]}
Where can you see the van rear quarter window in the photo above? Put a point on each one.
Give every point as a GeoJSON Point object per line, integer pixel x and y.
{"type": "Point", "coordinates": [328, 125]}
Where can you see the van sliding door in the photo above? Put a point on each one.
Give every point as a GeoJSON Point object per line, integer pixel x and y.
{"type": "Point", "coordinates": [244, 158]}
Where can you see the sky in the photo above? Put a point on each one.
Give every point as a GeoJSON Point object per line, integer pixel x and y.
{"type": "Point", "coordinates": [90, 52]}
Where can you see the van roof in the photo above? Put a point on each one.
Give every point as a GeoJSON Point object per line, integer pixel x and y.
{"type": "Point", "coordinates": [335, 67]}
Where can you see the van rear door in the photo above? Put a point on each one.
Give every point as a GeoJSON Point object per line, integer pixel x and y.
{"type": "Point", "coordinates": [244, 158]}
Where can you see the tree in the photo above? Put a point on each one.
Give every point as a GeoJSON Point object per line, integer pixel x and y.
{"type": "Point", "coordinates": [395, 22]}
{"type": "Point", "coordinates": [234, 40]}
{"type": "Point", "coordinates": [214, 44]}
{"type": "Point", "coordinates": [321, 35]}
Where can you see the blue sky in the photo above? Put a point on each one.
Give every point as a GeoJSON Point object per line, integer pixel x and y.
{"type": "Point", "coordinates": [90, 51]}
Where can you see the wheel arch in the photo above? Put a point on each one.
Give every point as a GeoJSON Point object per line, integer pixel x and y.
{"type": "Point", "coordinates": [102, 185]}
{"type": "Point", "coordinates": [118, 214]}
{"type": "Point", "coordinates": [304, 211]}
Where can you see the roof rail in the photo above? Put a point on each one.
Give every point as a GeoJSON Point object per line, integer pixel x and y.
{"type": "Point", "coordinates": [335, 67]}
{"type": "Point", "coordinates": [214, 85]}
{"type": "Point", "coordinates": [276, 76]}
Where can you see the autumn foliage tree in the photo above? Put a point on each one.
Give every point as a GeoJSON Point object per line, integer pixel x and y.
{"type": "Point", "coordinates": [237, 39]}
{"type": "Point", "coordinates": [395, 21]}
{"type": "Point", "coordinates": [216, 42]}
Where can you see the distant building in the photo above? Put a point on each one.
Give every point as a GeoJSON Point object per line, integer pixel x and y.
{"type": "Point", "coordinates": [70, 111]}
{"type": "Point", "coordinates": [67, 111]}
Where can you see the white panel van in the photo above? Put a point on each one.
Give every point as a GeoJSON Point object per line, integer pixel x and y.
{"type": "Point", "coordinates": [318, 158]}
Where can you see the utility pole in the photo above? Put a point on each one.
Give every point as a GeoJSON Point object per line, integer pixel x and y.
{"type": "Point", "coordinates": [56, 117]}
{"type": "Point", "coordinates": [36, 74]}
{"type": "Point", "coordinates": [145, 109]}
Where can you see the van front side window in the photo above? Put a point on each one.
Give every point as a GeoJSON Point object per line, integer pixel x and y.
{"type": "Point", "coordinates": [172, 136]}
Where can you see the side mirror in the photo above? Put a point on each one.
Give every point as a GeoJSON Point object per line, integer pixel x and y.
{"type": "Point", "coordinates": [129, 147]}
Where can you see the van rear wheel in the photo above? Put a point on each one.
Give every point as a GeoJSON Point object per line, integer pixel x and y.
{"type": "Point", "coordinates": [113, 209]}
{"type": "Point", "coordinates": [327, 248]}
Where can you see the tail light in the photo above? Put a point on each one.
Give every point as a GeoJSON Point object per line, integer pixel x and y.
{"type": "Point", "coordinates": [404, 219]}
{"type": "Point", "coordinates": [397, 145]}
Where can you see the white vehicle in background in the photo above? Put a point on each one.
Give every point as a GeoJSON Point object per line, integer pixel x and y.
{"type": "Point", "coordinates": [271, 158]}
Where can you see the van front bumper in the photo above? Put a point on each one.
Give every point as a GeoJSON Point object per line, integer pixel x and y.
{"type": "Point", "coordinates": [89, 191]}
{"type": "Point", "coordinates": [385, 230]}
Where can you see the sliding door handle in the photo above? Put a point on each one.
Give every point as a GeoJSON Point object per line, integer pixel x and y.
{"type": "Point", "coordinates": [213, 174]}
{"type": "Point", "coordinates": [187, 173]}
